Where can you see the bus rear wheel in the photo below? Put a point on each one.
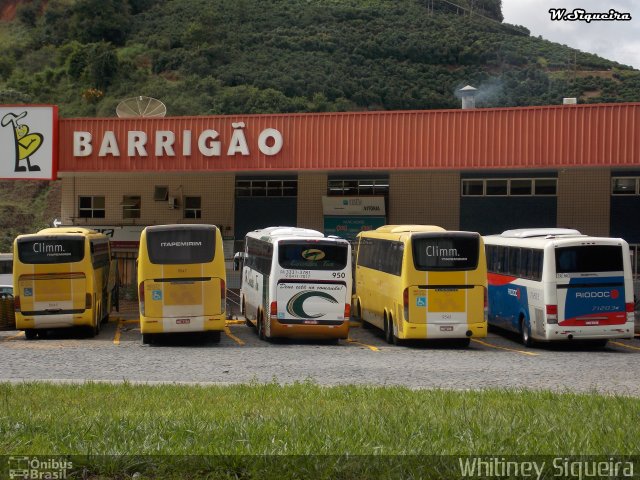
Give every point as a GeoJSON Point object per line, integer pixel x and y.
{"type": "Point", "coordinates": [215, 335]}
{"type": "Point", "coordinates": [363, 323]}
{"type": "Point", "coordinates": [525, 333]}
{"type": "Point", "coordinates": [388, 331]}
{"type": "Point", "coordinates": [31, 334]}
{"type": "Point", "coordinates": [147, 338]}
{"type": "Point", "coordinates": [261, 335]}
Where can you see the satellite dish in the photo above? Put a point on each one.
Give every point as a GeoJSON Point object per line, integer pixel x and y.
{"type": "Point", "coordinates": [146, 107]}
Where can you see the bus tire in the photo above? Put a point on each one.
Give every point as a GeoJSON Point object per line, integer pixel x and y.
{"type": "Point", "coordinates": [260, 326]}
{"type": "Point", "coordinates": [215, 335]}
{"type": "Point", "coordinates": [462, 342]}
{"type": "Point", "coordinates": [365, 325]}
{"type": "Point", "coordinates": [147, 338]}
{"type": "Point", "coordinates": [388, 331]}
{"type": "Point", "coordinates": [525, 333]}
{"type": "Point", "coordinates": [31, 334]}
{"type": "Point", "coordinates": [602, 343]}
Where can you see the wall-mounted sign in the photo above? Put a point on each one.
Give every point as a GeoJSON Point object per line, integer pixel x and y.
{"type": "Point", "coordinates": [349, 227]}
{"type": "Point", "coordinates": [165, 143]}
{"type": "Point", "coordinates": [29, 141]}
{"type": "Point", "coordinates": [361, 206]}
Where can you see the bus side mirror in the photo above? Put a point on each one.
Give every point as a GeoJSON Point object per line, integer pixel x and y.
{"type": "Point", "coordinates": [238, 260]}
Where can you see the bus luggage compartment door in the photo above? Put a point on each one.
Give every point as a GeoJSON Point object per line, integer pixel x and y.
{"type": "Point", "coordinates": [183, 297]}
{"type": "Point", "coordinates": [311, 303]}
{"type": "Point", "coordinates": [447, 304]}
{"type": "Point", "coordinates": [50, 294]}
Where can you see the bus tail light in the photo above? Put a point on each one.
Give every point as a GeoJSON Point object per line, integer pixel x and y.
{"type": "Point", "coordinates": [631, 312]}
{"type": "Point", "coordinates": [552, 314]}
{"type": "Point", "coordinates": [88, 301]}
{"type": "Point", "coordinates": [405, 304]}
{"type": "Point", "coordinates": [16, 303]}
{"type": "Point", "coordinates": [141, 297]}
{"type": "Point", "coordinates": [347, 311]}
{"type": "Point", "coordinates": [223, 294]}
{"type": "Point", "coordinates": [486, 303]}
{"type": "Point", "coordinates": [274, 309]}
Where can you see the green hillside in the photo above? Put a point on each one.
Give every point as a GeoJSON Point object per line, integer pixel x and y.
{"type": "Point", "coordinates": [262, 56]}
{"type": "Point", "coordinates": [257, 56]}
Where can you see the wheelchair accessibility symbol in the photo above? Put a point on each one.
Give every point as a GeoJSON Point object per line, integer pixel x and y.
{"type": "Point", "coordinates": [421, 301]}
{"type": "Point", "coordinates": [156, 294]}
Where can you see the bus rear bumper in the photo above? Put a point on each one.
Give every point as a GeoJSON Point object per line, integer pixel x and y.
{"type": "Point", "coordinates": [182, 324]}
{"type": "Point", "coordinates": [52, 321]}
{"type": "Point", "coordinates": [319, 331]}
{"type": "Point", "coordinates": [605, 332]}
{"type": "Point", "coordinates": [412, 331]}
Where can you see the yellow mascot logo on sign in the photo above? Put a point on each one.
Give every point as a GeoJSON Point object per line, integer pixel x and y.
{"type": "Point", "coordinates": [26, 143]}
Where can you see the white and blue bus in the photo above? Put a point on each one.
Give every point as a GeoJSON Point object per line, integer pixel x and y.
{"type": "Point", "coordinates": [555, 284]}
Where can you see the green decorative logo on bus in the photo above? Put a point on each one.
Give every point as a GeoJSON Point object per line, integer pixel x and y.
{"type": "Point", "coordinates": [313, 254]}
{"type": "Point", "coordinates": [295, 304]}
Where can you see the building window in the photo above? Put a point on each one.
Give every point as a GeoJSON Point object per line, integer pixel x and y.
{"type": "Point", "coordinates": [91, 207]}
{"type": "Point", "coordinates": [624, 185]}
{"type": "Point", "coordinates": [160, 193]}
{"type": "Point", "coordinates": [358, 187]}
{"type": "Point", "coordinates": [472, 188]}
{"type": "Point", "coordinates": [513, 187]}
{"type": "Point", "coordinates": [496, 187]}
{"type": "Point", "coordinates": [192, 207]}
{"type": "Point", "coordinates": [131, 206]}
{"type": "Point", "coordinates": [266, 188]}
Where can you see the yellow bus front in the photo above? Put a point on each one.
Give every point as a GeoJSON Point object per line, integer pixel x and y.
{"type": "Point", "coordinates": [444, 287]}
{"type": "Point", "coordinates": [53, 282]}
{"type": "Point", "coordinates": [181, 279]}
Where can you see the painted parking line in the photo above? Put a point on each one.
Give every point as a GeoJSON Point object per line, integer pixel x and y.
{"type": "Point", "coordinates": [234, 322]}
{"type": "Point", "coordinates": [232, 336]}
{"type": "Point", "coordinates": [370, 347]}
{"type": "Point", "coordinates": [13, 337]}
{"type": "Point", "coordinates": [522, 352]}
{"type": "Point", "coordinates": [116, 337]}
{"type": "Point", "coordinates": [620, 344]}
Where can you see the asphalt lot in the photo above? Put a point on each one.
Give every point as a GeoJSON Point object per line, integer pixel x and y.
{"type": "Point", "coordinates": [498, 361]}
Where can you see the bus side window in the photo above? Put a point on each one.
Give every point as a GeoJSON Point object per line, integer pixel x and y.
{"type": "Point", "coordinates": [536, 265]}
{"type": "Point", "coordinates": [525, 261]}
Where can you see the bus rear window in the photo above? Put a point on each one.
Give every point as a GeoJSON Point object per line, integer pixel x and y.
{"type": "Point", "coordinates": [457, 251]}
{"type": "Point", "coordinates": [181, 246]}
{"type": "Point", "coordinates": [50, 250]}
{"type": "Point", "coordinates": [589, 258]}
{"type": "Point", "coordinates": [313, 256]}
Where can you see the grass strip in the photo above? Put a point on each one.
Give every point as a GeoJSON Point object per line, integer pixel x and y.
{"type": "Point", "coordinates": [243, 431]}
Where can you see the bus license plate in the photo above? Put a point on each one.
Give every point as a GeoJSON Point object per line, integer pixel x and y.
{"type": "Point", "coordinates": [446, 328]}
{"type": "Point", "coordinates": [183, 321]}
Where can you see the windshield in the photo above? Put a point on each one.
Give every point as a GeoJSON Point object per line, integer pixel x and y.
{"type": "Point", "coordinates": [51, 250]}
{"type": "Point", "coordinates": [589, 258]}
{"type": "Point", "coordinates": [313, 255]}
{"type": "Point", "coordinates": [450, 251]}
{"type": "Point", "coordinates": [181, 246]}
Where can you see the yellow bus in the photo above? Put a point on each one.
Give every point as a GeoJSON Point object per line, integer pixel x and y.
{"type": "Point", "coordinates": [421, 282]}
{"type": "Point", "coordinates": [61, 279]}
{"type": "Point", "coordinates": [181, 280]}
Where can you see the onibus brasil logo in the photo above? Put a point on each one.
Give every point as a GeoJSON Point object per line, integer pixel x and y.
{"type": "Point", "coordinates": [295, 306]}
{"type": "Point", "coordinates": [26, 144]}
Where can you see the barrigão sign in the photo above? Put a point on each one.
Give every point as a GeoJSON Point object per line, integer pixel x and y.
{"type": "Point", "coordinates": [165, 142]}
